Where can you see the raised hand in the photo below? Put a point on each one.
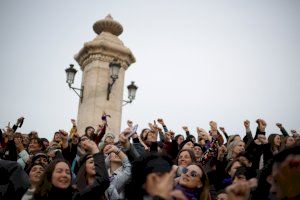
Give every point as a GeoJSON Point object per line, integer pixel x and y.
{"type": "Point", "coordinates": [124, 138]}
{"type": "Point", "coordinates": [185, 128]}
{"type": "Point", "coordinates": [110, 148]}
{"type": "Point", "coordinates": [200, 130]}
{"type": "Point", "coordinates": [19, 144]}
{"type": "Point", "coordinates": [279, 125]}
{"type": "Point", "coordinates": [294, 133]}
{"type": "Point", "coordinates": [129, 123]}
{"type": "Point", "coordinates": [90, 146]}
{"type": "Point", "coordinates": [172, 134]}
{"type": "Point", "coordinates": [261, 124]}
{"type": "Point", "coordinates": [161, 121]}
{"type": "Point", "coordinates": [20, 121]}
{"type": "Point", "coordinates": [222, 129]}
{"type": "Point", "coordinates": [238, 191]}
{"type": "Point", "coordinates": [73, 121]}
{"type": "Point", "coordinates": [9, 131]}
{"type": "Point", "coordinates": [213, 125]}
{"type": "Point", "coordinates": [247, 124]}
{"type": "Point", "coordinates": [64, 134]}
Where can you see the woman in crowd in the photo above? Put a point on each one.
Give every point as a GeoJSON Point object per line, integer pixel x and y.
{"type": "Point", "coordinates": [56, 181]}
{"type": "Point", "coordinates": [119, 170]}
{"type": "Point", "coordinates": [234, 148]}
{"type": "Point", "coordinates": [35, 172]}
{"type": "Point", "coordinates": [193, 182]}
{"type": "Point", "coordinates": [288, 142]}
{"type": "Point", "coordinates": [185, 158]}
{"type": "Point", "coordinates": [272, 147]}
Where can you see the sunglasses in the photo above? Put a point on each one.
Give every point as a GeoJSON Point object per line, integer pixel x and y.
{"type": "Point", "coordinates": [192, 173]}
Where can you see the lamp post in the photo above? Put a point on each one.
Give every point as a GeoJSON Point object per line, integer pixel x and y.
{"type": "Point", "coordinates": [132, 88]}
{"type": "Point", "coordinates": [103, 61]}
{"type": "Point", "coordinates": [114, 74]}
{"type": "Point", "coordinates": [71, 72]}
{"type": "Point", "coordinates": [114, 68]}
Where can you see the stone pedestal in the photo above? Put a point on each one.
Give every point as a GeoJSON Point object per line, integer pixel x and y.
{"type": "Point", "coordinates": [94, 59]}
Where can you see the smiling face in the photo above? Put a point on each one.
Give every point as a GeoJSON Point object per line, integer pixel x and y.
{"type": "Point", "coordinates": [184, 159]}
{"type": "Point", "coordinates": [277, 140]}
{"type": "Point", "coordinates": [35, 174]}
{"type": "Point", "coordinates": [34, 146]}
{"type": "Point", "coordinates": [90, 167]}
{"type": "Point", "coordinates": [191, 177]}
{"type": "Point", "coordinates": [61, 176]}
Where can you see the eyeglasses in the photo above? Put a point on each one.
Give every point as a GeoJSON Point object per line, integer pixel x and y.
{"type": "Point", "coordinates": [192, 173]}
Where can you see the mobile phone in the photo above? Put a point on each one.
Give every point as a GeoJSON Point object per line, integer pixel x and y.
{"type": "Point", "coordinates": [21, 123]}
{"type": "Point", "coordinates": [133, 130]}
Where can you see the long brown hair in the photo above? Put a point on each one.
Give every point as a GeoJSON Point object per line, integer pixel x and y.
{"type": "Point", "coordinates": [81, 179]}
{"type": "Point", "coordinates": [191, 153]}
{"type": "Point", "coordinates": [44, 186]}
{"type": "Point", "coordinates": [204, 190]}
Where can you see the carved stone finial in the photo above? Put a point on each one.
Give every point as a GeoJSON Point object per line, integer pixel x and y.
{"type": "Point", "coordinates": [108, 25]}
{"type": "Point", "coordinates": [109, 17]}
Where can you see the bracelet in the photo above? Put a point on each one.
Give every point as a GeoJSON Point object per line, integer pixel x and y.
{"type": "Point", "coordinates": [118, 151]}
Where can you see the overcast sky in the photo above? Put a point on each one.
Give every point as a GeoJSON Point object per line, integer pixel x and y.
{"type": "Point", "coordinates": [196, 61]}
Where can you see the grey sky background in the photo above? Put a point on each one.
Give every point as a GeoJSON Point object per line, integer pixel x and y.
{"type": "Point", "coordinates": [196, 61]}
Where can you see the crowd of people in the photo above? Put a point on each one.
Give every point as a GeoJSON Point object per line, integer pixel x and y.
{"type": "Point", "coordinates": [152, 164]}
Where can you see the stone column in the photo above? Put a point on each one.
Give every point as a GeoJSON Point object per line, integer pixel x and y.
{"type": "Point", "coordinates": [94, 59]}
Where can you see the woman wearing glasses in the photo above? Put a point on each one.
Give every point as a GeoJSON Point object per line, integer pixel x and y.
{"type": "Point", "coordinates": [193, 183]}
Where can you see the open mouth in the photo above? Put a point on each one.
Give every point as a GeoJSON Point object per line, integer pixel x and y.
{"type": "Point", "coordinates": [63, 181]}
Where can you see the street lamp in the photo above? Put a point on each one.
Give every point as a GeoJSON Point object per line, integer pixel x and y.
{"type": "Point", "coordinates": [114, 68]}
{"type": "Point", "coordinates": [71, 72]}
{"type": "Point", "coordinates": [131, 93]}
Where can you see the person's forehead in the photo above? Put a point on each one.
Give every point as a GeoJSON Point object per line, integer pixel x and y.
{"type": "Point", "coordinates": [236, 164]}
{"type": "Point", "coordinates": [37, 167]}
{"type": "Point", "coordinates": [61, 165]}
{"type": "Point", "coordinates": [195, 168]}
{"type": "Point", "coordinates": [183, 153]}
{"type": "Point", "coordinates": [89, 159]}
{"type": "Point", "coordinates": [41, 158]}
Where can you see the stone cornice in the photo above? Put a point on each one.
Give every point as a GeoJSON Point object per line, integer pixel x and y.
{"type": "Point", "coordinates": [105, 48]}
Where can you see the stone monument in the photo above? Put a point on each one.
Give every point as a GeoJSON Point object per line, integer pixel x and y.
{"type": "Point", "coordinates": [94, 59]}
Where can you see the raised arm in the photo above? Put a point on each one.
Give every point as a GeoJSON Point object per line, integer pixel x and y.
{"type": "Point", "coordinates": [101, 183]}
{"type": "Point", "coordinates": [161, 121]}
{"type": "Point", "coordinates": [282, 129]}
